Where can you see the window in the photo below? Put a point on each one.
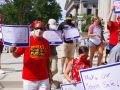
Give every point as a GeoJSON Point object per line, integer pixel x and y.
{"type": "Point", "coordinates": [89, 11]}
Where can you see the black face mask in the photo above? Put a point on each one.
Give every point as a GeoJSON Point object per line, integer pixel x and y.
{"type": "Point", "coordinates": [68, 21]}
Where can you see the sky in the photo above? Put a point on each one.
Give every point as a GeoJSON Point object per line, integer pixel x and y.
{"type": "Point", "coordinates": [62, 4]}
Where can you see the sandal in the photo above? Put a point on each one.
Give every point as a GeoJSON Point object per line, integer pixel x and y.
{"type": "Point", "coordinates": [102, 63]}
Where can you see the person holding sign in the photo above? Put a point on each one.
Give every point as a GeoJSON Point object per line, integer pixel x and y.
{"type": "Point", "coordinates": [36, 68]}
{"type": "Point", "coordinates": [113, 28]}
{"type": "Point", "coordinates": [77, 64]}
{"type": "Point", "coordinates": [95, 40]}
{"type": "Point", "coordinates": [54, 58]}
{"type": "Point", "coordinates": [1, 43]}
{"type": "Point", "coordinates": [68, 48]}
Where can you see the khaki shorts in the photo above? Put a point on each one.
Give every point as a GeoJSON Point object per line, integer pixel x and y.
{"type": "Point", "coordinates": [67, 50]}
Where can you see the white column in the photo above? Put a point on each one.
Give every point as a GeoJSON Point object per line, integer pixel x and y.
{"type": "Point", "coordinates": [107, 5]}
{"type": "Point", "coordinates": [100, 8]}
{"type": "Point", "coordinates": [81, 7]}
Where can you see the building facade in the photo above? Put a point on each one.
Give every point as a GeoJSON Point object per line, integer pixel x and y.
{"type": "Point", "coordinates": [81, 6]}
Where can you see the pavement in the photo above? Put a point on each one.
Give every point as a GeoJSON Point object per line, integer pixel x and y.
{"type": "Point", "coordinates": [12, 79]}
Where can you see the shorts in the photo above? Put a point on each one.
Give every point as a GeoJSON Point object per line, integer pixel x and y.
{"type": "Point", "coordinates": [91, 44]}
{"type": "Point", "coordinates": [107, 51]}
{"type": "Point", "coordinates": [36, 85]}
{"type": "Point", "coordinates": [1, 48]}
{"type": "Point", "coordinates": [67, 50]}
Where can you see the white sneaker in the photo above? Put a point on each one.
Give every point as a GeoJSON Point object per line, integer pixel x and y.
{"type": "Point", "coordinates": [2, 72]}
{"type": "Point", "coordinates": [61, 72]}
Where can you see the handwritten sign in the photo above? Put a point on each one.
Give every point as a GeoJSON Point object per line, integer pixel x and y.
{"type": "Point", "coordinates": [53, 36]}
{"type": "Point", "coordinates": [15, 35]}
{"type": "Point", "coordinates": [79, 86]}
{"type": "Point", "coordinates": [101, 78]}
{"type": "Point", "coordinates": [71, 33]}
{"type": "Point", "coordinates": [116, 3]}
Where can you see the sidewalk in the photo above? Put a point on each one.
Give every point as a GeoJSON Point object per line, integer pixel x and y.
{"type": "Point", "coordinates": [12, 79]}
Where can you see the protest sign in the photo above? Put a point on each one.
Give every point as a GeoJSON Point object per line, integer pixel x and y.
{"type": "Point", "coordinates": [116, 3]}
{"type": "Point", "coordinates": [53, 36]}
{"type": "Point", "coordinates": [15, 35]}
{"type": "Point", "coordinates": [101, 78]}
{"type": "Point", "coordinates": [79, 86]}
{"type": "Point", "coordinates": [71, 33]}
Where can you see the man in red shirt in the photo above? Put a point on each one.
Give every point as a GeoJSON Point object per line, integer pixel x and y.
{"type": "Point", "coordinates": [113, 29]}
{"type": "Point", "coordinates": [36, 68]}
{"type": "Point", "coordinates": [1, 43]}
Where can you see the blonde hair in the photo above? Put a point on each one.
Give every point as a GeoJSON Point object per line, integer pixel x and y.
{"type": "Point", "coordinates": [94, 18]}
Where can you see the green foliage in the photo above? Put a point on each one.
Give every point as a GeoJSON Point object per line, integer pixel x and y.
{"type": "Point", "coordinates": [24, 12]}
{"type": "Point", "coordinates": [75, 19]}
{"type": "Point", "coordinates": [86, 18]}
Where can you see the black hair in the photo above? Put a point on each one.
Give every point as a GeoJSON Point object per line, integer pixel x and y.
{"type": "Point", "coordinates": [83, 49]}
{"type": "Point", "coordinates": [47, 26]}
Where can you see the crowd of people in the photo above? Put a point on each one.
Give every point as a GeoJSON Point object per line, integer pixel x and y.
{"type": "Point", "coordinates": [39, 68]}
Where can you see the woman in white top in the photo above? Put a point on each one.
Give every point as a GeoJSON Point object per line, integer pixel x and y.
{"type": "Point", "coordinates": [95, 39]}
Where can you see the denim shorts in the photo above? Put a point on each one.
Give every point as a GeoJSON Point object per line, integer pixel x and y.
{"type": "Point", "coordinates": [91, 44]}
{"type": "Point", "coordinates": [1, 48]}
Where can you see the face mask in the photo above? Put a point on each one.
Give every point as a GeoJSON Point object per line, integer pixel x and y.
{"type": "Point", "coordinates": [38, 33]}
{"type": "Point", "coordinates": [68, 21]}
{"type": "Point", "coordinates": [83, 58]}
{"type": "Point", "coordinates": [98, 21]}
{"type": "Point", "coordinates": [51, 28]}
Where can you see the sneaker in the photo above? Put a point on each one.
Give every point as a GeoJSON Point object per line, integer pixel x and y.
{"type": "Point", "coordinates": [95, 55]}
{"type": "Point", "coordinates": [61, 72]}
{"type": "Point", "coordinates": [7, 51]}
{"type": "Point", "coordinates": [2, 72]}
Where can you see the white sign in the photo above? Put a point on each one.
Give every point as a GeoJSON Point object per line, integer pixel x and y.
{"type": "Point", "coordinates": [79, 86]}
{"type": "Point", "coordinates": [116, 3]}
{"type": "Point", "coordinates": [102, 78]}
{"type": "Point", "coordinates": [53, 36]}
{"type": "Point", "coordinates": [71, 33]}
{"type": "Point", "coordinates": [15, 35]}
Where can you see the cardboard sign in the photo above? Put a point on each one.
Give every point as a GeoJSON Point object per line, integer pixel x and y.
{"type": "Point", "coordinates": [101, 78]}
{"type": "Point", "coordinates": [71, 33]}
{"type": "Point", "coordinates": [79, 86]}
{"type": "Point", "coordinates": [116, 3]}
{"type": "Point", "coordinates": [15, 35]}
{"type": "Point", "coordinates": [53, 36]}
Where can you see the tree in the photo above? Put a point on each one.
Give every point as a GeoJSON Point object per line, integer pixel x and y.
{"type": "Point", "coordinates": [24, 12]}
{"type": "Point", "coordinates": [86, 25]}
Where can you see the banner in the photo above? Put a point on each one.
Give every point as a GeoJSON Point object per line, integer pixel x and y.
{"type": "Point", "coordinates": [53, 36]}
{"type": "Point", "coordinates": [71, 33]}
{"type": "Point", "coordinates": [15, 35]}
{"type": "Point", "coordinates": [101, 78]}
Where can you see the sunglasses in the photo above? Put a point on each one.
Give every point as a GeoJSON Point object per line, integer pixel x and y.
{"type": "Point", "coordinates": [42, 29]}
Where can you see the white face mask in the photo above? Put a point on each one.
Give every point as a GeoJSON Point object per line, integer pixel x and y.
{"type": "Point", "coordinates": [38, 33]}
